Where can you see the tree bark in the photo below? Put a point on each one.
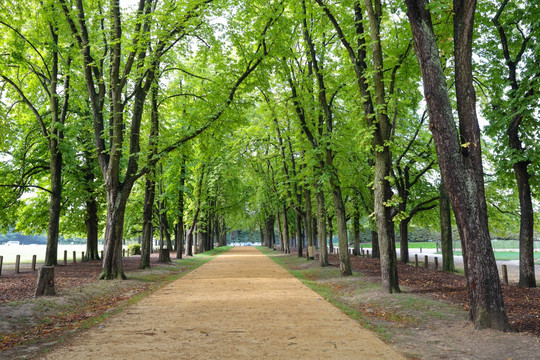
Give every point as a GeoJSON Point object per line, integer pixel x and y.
{"type": "Point", "coordinates": [45, 282]}
{"type": "Point", "coordinates": [147, 226]}
{"type": "Point", "coordinates": [92, 225]}
{"type": "Point", "coordinates": [404, 240]}
{"type": "Point", "coordinates": [180, 231]}
{"type": "Point", "coordinates": [308, 225]}
{"type": "Point", "coordinates": [356, 228]}
{"type": "Point", "coordinates": [375, 253]}
{"type": "Point", "coordinates": [460, 155]}
{"type": "Point", "coordinates": [383, 160]}
{"type": "Point", "coordinates": [321, 224]}
{"type": "Point", "coordinates": [526, 227]}
{"type": "Point", "coordinates": [164, 233]}
{"type": "Point", "coordinates": [446, 231]}
{"type": "Point", "coordinates": [330, 234]}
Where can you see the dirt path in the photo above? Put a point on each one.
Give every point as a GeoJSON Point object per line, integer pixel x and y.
{"type": "Point", "coordinates": [240, 305]}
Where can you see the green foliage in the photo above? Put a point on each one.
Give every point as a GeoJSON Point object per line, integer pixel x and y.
{"type": "Point", "coordinates": [134, 249]}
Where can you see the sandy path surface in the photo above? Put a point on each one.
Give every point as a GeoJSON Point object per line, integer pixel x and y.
{"type": "Point", "coordinates": [240, 305]}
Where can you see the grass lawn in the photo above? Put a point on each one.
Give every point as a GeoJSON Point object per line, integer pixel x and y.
{"type": "Point", "coordinates": [508, 255]}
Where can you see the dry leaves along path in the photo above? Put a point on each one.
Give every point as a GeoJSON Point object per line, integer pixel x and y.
{"type": "Point", "coordinates": [240, 305]}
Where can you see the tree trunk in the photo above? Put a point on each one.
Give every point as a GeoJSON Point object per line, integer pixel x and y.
{"type": "Point", "coordinates": [189, 235]}
{"type": "Point", "coordinates": [383, 160]}
{"type": "Point", "coordinates": [344, 261]}
{"type": "Point", "coordinates": [189, 244]}
{"type": "Point", "coordinates": [330, 235]}
{"type": "Point", "coordinates": [356, 229]}
{"type": "Point", "coordinates": [375, 253]}
{"type": "Point", "coordinates": [180, 231]}
{"type": "Point", "coordinates": [114, 229]}
{"type": "Point", "coordinates": [404, 240]}
{"type": "Point", "coordinates": [446, 231]}
{"type": "Point", "coordinates": [55, 205]}
{"type": "Point", "coordinates": [280, 229]}
{"type": "Point", "coordinates": [45, 282]}
{"type": "Point", "coordinates": [308, 225]}
{"type": "Point", "coordinates": [460, 155]}
{"type": "Point", "coordinates": [299, 248]}
{"type": "Point", "coordinates": [165, 236]}
{"type": "Point", "coordinates": [285, 245]}
{"type": "Point", "coordinates": [91, 219]}
{"type": "Point", "coordinates": [264, 241]}
{"type": "Point", "coordinates": [526, 226]}
{"type": "Point", "coordinates": [148, 226]}
{"type": "Point", "coordinates": [92, 225]}
{"type": "Point", "coordinates": [321, 224]}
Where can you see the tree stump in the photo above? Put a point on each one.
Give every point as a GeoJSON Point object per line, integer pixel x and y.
{"type": "Point", "coordinates": [45, 282]}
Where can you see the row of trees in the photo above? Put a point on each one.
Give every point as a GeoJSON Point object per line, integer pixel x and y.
{"type": "Point", "coordinates": [307, 117]}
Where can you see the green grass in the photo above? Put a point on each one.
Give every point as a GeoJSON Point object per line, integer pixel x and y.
{"type": "Point", "coordinates": [412, 245]}
{"type": "Point", "coordinates": [508, 255]}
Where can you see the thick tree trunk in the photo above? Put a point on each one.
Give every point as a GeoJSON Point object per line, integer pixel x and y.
{"type": "Point", "coordinates": [308, 225]}
{"type": "Point", "coordinates": [330, 235]}
{"type": "Point", "coordinates": [383, 159]}
{"type": "Point", "coordinates": [321, 225]}
{"type": "Point", "coordinates": [446, 231]}
{"type": "Point", "coordinates": [299, 247]}
{"type": "Point", "coordinates": [114, 229]}
{"type": "Point", "coordinates": [165, 236]}
{"type": "Point", "coordinates": [180, 231]}
{"type": "Point", "coordinates": [91, 218]}
{"type": "Point", "coordinates": [404, 240]}
{"type": "Point", "coordinates": [375, 253]}
{"type": "Point", "coordinates": [356, 229]}
{"type": "Point", "coordinates": [526, 226]}
{"type": "Point", "coordinates": [385, 224]}
{"type": "Point", "coordinates": [526, 229]}
{"type": "Point", "coordinates": [55, 204]}
{"type": "Point", "coordinates": [189, 244]}
{"type": "Point", "coordinates": [460, 155]}
{"type": "Point", "coordinates": [299, 244]}
{"type": "Point", "coordinates": [264, 241]}
{"type": "Point", "coordinates": [280, 229]}
{"type": "Point", "coordinates": [285, 231]}
{"type": "Point", "coordinates": [148, 226]}
{"type": "Point", "coordinates": [92, 225]}
{"type": "Point", "coordinates": [344, 261]}
{"type": "Point", "coordinates": [45, 282]}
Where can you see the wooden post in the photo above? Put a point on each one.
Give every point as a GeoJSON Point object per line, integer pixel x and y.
{"type": "Point", "coordinates": [505, 274]}
{"type": "Point", "coordinates": [17, 263]}
{"type": "Point", "coordinates": [367, 253]}
{"type": "Point", "coordinates": [415, 260]}
{"type": "Point", "coordinates": [436, 259]}
{"type": "Point", "coordinates": [74, 257]}
{"type": "Point", "coordinates": [436, 243]}
{"type": "Point", "coordinates": [420, 250]}
{"type": "Point", "coordinates": [101, 254]}
{"type": "Point", "coordinates": [426, 262]}
{"type": "Point", "coordinates": [82, 256]}
{"type": "Point", "coordinates": [1, 263]}
{"type": "Point", "coordinates": [123, 252]}
{"type": "Point", "coordinates": [33, 262]}
{"type": "Point", "coordinates": [65, 257]}
{"type": "Point", "coordinates": [362, 252]}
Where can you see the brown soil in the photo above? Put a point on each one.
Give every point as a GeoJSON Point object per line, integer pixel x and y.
{"type": "Point", "coordinates": [240, 305]}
